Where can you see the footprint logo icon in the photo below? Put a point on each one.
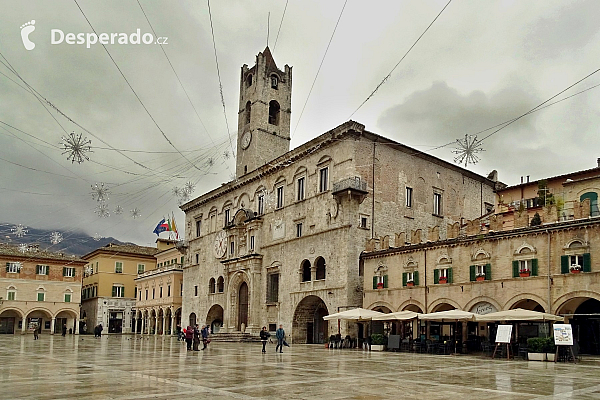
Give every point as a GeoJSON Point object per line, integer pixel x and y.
{"type": "Point", "coordinates": [26, 29]}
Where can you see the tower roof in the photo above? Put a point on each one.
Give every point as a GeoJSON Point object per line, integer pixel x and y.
{"type": "Point", "coordinates": [269, 58]}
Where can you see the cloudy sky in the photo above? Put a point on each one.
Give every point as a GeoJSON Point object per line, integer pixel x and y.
{"type": "Point", "coordinates": [480, 64]}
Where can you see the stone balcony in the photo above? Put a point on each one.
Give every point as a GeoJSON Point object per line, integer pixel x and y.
{"type": "Point", "coordinates": [161, 270]}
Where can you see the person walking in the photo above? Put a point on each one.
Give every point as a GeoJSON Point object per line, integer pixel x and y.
{"type": "Point", "coordinates": [100, 328]}
{"type": "Point", "coordinates": [264, 336]}
{"type": "Point", "coordinates": [205, 339]}
{"type": "Point", "coordinates": [64, 330]}
{"type": "Point", "coordinates": [196, 338]}
{"type": "Point", "coordinates": [36, 332]}
{"type": "Point", "coordinates": [189, 336]}
{"type": "Point", "coordinates": [179, 333]}
{"type": "Point", "coordinates": [280, 335]}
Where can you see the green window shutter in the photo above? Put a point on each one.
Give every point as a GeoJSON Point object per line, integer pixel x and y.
{"type": "Point", "coordinates": [564, 264]}
{"type": "Point", "coordinates": [64, 271]}
{"type": "Point", "coordinates": [534, 267]}
{"type": "Point", "coordinates": [416, 278]}
{"type": "Point", "coordinates": [48, 270]}
{"type": "Point", "coordinates": [488, 272]}
{"type": "Point", "coordinates": [374, 282]}
{"type": "Point", "coordinates": [404, 279]}
{"type": "Point", "coordinates": [7, 266]}
{"type": "Point", "coordinates": [385, 281]}
{"type": "Point", "coordinates": [40, 296]}
{"type": "Point", "coordinates": [436, 276]}
{"type": "Point", "coordinates": [67, 298]}
{"type": "Point", "coordinates": [450, 280]}
{"type": "Point", "coordinates": [114, 291]}
{"type": "Point", "coordinates": [587, 262]}
{"type": "Point", "coordinates": [472, 273]}
{"type": "Point", "coordinates": [515, 268]}
{"type": "Point", "coordinates": [181, 260]}
{"type": "Point", "coordinates": [37, 269]}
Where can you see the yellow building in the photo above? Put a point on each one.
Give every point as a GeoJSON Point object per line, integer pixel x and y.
{"type": "Point", "coordinates": [109, 291]}
{"type": "Point", "coordinates": [39, 288]}
{"type": "Point", "coordinates": [158, 303]}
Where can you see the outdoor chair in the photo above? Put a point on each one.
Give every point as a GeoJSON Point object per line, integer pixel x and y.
{"type": "Point", "coordinates": [431, 347]}
{"type": "Point", "coordinates": [405, 345]}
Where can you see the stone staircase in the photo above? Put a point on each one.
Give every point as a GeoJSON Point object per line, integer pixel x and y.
{"type": "Point", "coordinates": [233, 337]}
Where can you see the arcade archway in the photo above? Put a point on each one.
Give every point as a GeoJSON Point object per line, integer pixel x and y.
{"type": "Point", "coordinates": [214, 318]}
{"type": "Point", "coordinates": [584, 316]}
{"type": "Point", "coordinates": [308, 325]}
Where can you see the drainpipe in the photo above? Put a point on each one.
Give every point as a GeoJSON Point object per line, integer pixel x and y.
{"type": "Point", "coordinates": [373, 200]}
{"type": "Point", "coordinates": [549, 275]}
{"type": "Point", "coordinates": [425, 280]}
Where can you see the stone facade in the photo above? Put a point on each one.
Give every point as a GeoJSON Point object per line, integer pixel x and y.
{"type": "Point", "coordinates": [39, 288]}
{"type": "Point", "coordinates": [285, 238]}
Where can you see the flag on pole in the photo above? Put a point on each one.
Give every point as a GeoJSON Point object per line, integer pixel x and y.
{"type": "Point", "coordinates": [161, 227]}
{"type": "Point", "coordinates": [173, 226]}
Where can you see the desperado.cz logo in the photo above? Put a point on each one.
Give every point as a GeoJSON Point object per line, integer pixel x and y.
{"type": "Point", "coordinates": [57, 36]}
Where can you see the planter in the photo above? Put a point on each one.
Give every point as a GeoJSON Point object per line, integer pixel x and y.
{"type": "Point", "coordinates": [541, 357]}
{"type": "Point", "coordinates": [524, 274]}
{"type": "Point", "coordinates": [410, 284]}
{"type": "Point", "coordinates": [380, 286]}
{"type": "Point", "coordinates": [443, 280]}
{"type": "Point", "coordinates": [377, 347]}
{"type": "Point", "coordinates": [575, 271]}
{"type": "Point", "coordinates": [480, 278]}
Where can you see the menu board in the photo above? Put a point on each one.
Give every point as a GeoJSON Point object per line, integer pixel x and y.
{"type": "Point", "coordinates": [563, 335]}
{"type": "Point", "coordinates": [504, 333]}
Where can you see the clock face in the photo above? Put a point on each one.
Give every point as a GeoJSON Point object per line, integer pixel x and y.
{"type": "Point", "coordinates": [246, 138]}
{"type": "Point", "coordinates": [220, 244]}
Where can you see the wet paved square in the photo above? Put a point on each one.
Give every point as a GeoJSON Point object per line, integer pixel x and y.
{"type": "Point", "coordinates": [126, 367]}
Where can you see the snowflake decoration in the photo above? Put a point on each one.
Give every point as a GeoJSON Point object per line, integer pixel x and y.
{"type": "Point", "coordinates": [102, 210]}
{"type": "Point", "coordinates": [226, 154]}
{"type": "Point", "coordinates": [19, 230]}
{"type": "Point", "coordinates": [136, 213]}
{"type": "Point", "coordinates": [97, 237]}
{"type": "Point", "coordinates": [118, 210]}
{"type": "Point", "coordinates": [23, 248]}
{"type": "Point", "coordinates": [184, 197]}
{"type": "Point", "coordinates": [56, 237]}
{"type": "Point", "coordinates": [189, 187]}
{"type": "Point", "coordinates": [100, 192]}
{"type": "Point", "coordinates": [176, 191]}
{"type": "Point", "coordinates": [467, 150]}
{"type": "Point", "coordinates": [76, 147]}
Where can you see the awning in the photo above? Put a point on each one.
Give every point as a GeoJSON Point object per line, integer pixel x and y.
{"type": "Point", "coordinates": [357, 314]}
{"type": "Point", "coordinates": [450, 315]}
{"type": "Point", "coordinates": [519, 314]}
{"type": "Point", "coordinates": [397, 316]}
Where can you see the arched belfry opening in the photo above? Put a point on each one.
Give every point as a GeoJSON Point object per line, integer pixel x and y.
{"type": "Point", "coordinates": [248, 111]}
{"type": "Point", "coordinates": [274, 113]}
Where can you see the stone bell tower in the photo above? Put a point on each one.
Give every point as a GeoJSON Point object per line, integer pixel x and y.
{"type": "Point", "coordinates": [264, 113]}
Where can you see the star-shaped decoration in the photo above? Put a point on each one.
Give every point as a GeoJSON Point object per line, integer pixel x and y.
{"type": "Point", "coordinates": [76, 147]}
{"type": "Point", "coordinates": [467, 150]}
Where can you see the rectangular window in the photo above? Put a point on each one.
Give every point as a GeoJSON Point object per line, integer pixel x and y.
{"type": "Point", "coordinates": [160, 292]}
{"type": "Point", "coordinates": [118, 291]}
{"type": "Point", "coordinates": [227, 217]}
{"type": "Point", "coordinates": [13, 267]}
{"type": "Point", "coordinates": [146, 294]}
{"type": "Point", "coordinates": [323, 179]}
{"type": "Point", "coordinates": [198, 226]}
{"type": "Point", "coordinates": [231, 247]}
{"type": "Point", "coordinates": [11, 295]}
{"type": "Point", "coordinates": [135, 290]}
{"type": "Point", "coordinates": [577, 261]}
{"type": "Point", "coordinates": [96, 266]}
{"type": "Point", "coordinates": [213, 222]}
{"type": "Point", "coordinates": [169, 291]}
{"type": "Point", "coordinates": [141, 268]}
{"type": "Point", "coordinates": [409, 194]}
{"type": "Point", "coordinates": [444, 273]}
{"type": "Point", "coordinates": [363, 222]}
{"type": "Point", "coordinates": [299, 229]}
{"type": "Point", "coordinates": [67, 297]}
{"type": "Point", "coordinates": [273, 288]}
{"type": "Point", "coordinates": [524, 266]}
{"type": "Point", "coordinates": [280, 197]}
{"type": "Point", "coordinates": [300, 188]}
{"type": "Point", "coordinates": [261, 204]}
{"type": "Point", "coordinates": [119, 267]}
{"type": "Point", "coordinates": [41, 296]}
{"type": "Point", "coordinates": [42, 269]}
{"type": "Point", "coordinates": [252, 242]}
{"type": "Point", "coordinates": [196, 290]}
{"type": "Point", "coordinates": [140, 295]}
{"type": "Point", "coordinates": [181, 290]}
{"type": "Point", "coordinates": [480, 270]}
{"type": "Point", "coordinates": [437, 204]}
{"type": "Point", "coordinates": [69, 272]}
{"type": "Point", "coordinates": [197, 258]}
{"type": "Point", "coordinates": [153, 293]}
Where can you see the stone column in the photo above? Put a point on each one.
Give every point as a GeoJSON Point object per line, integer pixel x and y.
{"type": "Point", "coordinates": [143, 324]}
{"type": "Point", "coordinates": [172, 324]}
{"type": "Point", "coordinates": [163, 325]}
{"type": "Point", "coordinates": [24, 326]}
{"type": "Point", "coordinates": [76, 326]}
{"type": "Point", "coordinates": [52, 323]}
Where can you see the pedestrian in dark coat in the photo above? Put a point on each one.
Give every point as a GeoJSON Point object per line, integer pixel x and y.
{"type": "Point", "coordinates": [264, 336]}
{"type": "Point", "coordinates": [196, 338]}
{"type": "Point", "coordinates": [189, 336]}
{"type": "Point", "coordinates": [64, 330]}
{"type": "Point", "coordinates": [205, 339]}
{"type": "Point", "coordinates": [36, 332]}
{"type": "Point", "coordinates": [280, 335]}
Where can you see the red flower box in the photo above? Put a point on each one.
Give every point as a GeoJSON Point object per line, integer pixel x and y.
{"type": "Point", "coordinates": [480, 278]}
{"type": "Point", "coordinates": [524, 274]}
{"type": "Point", "coordinates": [410, 284]}
{"type": "Point", "coordinates": [443, 279]}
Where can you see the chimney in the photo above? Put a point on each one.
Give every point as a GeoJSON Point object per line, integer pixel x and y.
{"type": "Point", "coordinates": [521, 179]}
{"type": "Point", "coordinates": [527, 178]}
{"type": "Point", "coordinates": [598, 161]}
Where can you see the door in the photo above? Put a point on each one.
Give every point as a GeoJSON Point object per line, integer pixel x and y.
{"type": "Point", "coordinates": [58, 324]}
{"type": "Point", "coordinates": [310, 332]}
{"type": "Point", "coordinates": [7, 325]}
{"type": "Point", "coordinates": [243, 306]}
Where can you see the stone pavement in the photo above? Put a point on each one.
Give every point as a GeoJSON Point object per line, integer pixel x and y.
{"type": "Point", "coordinates": [124, 367]}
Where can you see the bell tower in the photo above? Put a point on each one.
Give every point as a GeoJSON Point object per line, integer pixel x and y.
{"type": "Point", "coordinates": [264, 113]}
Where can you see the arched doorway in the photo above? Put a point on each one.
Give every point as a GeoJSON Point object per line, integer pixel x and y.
{"type": "Point", "coordinates": [178, 317]}
{"type": "Point", "coordinates": [439, 331]}
{"type": "Point", "coordinates": [39, 318]}
{"type": "Point", "coordinates": [584, 315]}
{"type": "Point", "coordinates": [192, 319]}
{"type": "Point", "coordinates": [9, 320]}
{"type": "Point", "coordinates": [243, 307]}
{"type": "Point", "coordinates": [528, 304]}
{"type": "Point", "coordinates": [308, 325]}
{"type": "Point", "coordinates": [138, 325]}
{"type": "Point", "coordinates": [159, 322]}
{"type": "Point", "coordinates": [214, 318]}
{"type": "Point", "coordinates": [66, 319]}
{"type": "Point", "coordinates": [152, 330]}
{"type": "Point", "coordinates": [379, 326]}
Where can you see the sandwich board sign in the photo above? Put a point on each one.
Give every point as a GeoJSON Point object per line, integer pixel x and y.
{"type": "Point", "coordinates": [563, 335]}
{"type": "Point", "coordinates": [504, 333]}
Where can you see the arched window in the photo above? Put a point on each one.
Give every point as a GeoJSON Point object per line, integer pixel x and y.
{"type": "Point", "coordinates": [306, 273]}
{"type": "Point", "coordinates": [220, 284]}
{"type": "Point", "coordinates": [211, 285]}
{"type": "Point", "coordinates": [249, 80]}
{"type": "Point", "coordinates": [274, 82]}
{"type": "Point", "coordinates": [273, 113]}
{"type": "Point", "coordinates": [320, 263]}
{"type": "Point", "coordinates": [248, 107]}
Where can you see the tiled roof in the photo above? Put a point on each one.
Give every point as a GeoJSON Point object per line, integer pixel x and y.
{"type": "Point", "coordinates": [125, 248]}
{"type": "Point", "coordinates": [13, 251]}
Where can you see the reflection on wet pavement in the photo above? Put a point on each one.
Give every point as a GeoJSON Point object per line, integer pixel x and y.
{"type": "Point", "coordinates": [126, 367]}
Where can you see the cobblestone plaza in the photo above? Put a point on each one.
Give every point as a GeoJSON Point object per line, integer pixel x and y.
{"type": "Point", "coordinates": [121, 367]}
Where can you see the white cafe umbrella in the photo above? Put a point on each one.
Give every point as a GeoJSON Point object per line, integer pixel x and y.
{"type": "Point", "coordinates": [356, 314]}
{"type": "Point", "coordinates": [397, 316]}
{"type": "Point", "coordinates": [519, 314]}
